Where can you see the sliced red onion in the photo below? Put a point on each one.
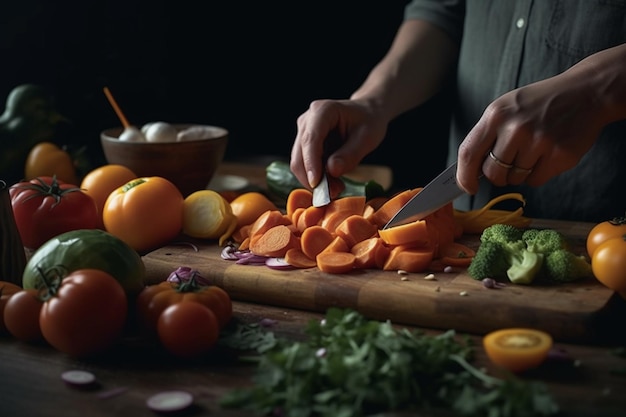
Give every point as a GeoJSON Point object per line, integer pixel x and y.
{"type": "Point", "coordinates": [278, 263]}
{"type": "Point", "coordinates": [251, 259]}
{"type": "Point", "coordinates": [184, 274]}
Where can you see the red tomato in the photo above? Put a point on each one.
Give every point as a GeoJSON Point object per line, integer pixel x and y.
{"type": "Point", "coordinates": [45, 207]}
{"type": "Point", "coordinates": [609, 263]}
{"type": "Point", "coordinates": [145, 212]}
{"type": "Point", "coordinates": [21, 315]}
{"type": "Point", "coordinates": [7, 289]}
{"type": "Point", "coordinates": [86, 314]}
{"type": "Point", "coordinates": [188, 329]}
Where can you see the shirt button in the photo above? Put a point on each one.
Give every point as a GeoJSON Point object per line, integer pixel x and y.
{"type": "Point", "coordinates": [520, 23]}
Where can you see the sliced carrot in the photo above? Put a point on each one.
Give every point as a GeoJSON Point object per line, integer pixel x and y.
{"type": "Point", "coordinates": [414, 233]}
{"type": "Point", "coordinates": [337, 245]}
{"type": "Point", "coordinates": [368, 211]}
{"type": "Point", "coordinates": [376, 202]}
{"type": "Point", "coordinates": [335, 262]}
{"type": "Point", "coordinates": [275, 242]}
{"type": "Point", "coordinates": [391, 207]}
{"type": "Point", "coordinates": [241, 233]}
{"type": "Point", "coordinates": [354, 204]}
{"type": "Point", "coordinates": [370, 253]}
{"type": "Point", "coordinates": [267, 220]}
{"type": "Point", "coordinates": [409, 259]}
{"type": "Point", "coordinates": [331, 221]}
{"type": "Point", "coordinates": [296, 258]}
{"type": "Point", "coordinates": [315, 239]}
{"type": "Point", "coordinates": [311, 216]}
{"type": "Point", "coordinates": [456, 254]}
{"type": "Point", "coordinates": [245, 244]}
{"type": "Point", "coordinates": [296, 214]}
{"type": "Point", "coordinates": [355, 228]}
{"type": "Point", "coordinates": [299, 197]}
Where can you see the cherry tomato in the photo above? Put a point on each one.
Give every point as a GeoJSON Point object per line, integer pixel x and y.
{"type": "Point", "coordinates": [85, 313]}
{"type": "Point", "coordinates": [21, 315]}
{"type": "Point", "coordinates": [46, 207]}
{"type": "Point", "coordinates": [102, 181]}
{"type": "Point", "coordinates": [603, 231]}
{"type": "Point", "coordinates": [145, 213]}
{"type": "Point", "coordinates": [517, 349]}
{"type": "Point", "coordinates": [188, 329]}
{"type": "Point", "coordinates": [154, 299]}
{"type": "Point", "coordinates": [609, 263]}
{"type": "Point", "coordinates": [7, 289]}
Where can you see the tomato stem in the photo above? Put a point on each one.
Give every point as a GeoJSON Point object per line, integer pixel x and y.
{"type": "Point", "coordinates": [51, 281]}
{"type": "Point", "coordinates": [53, 189]}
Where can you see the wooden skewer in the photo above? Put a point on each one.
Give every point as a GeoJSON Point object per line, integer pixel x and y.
{"type": "Point", "coordinates": [117, 109]}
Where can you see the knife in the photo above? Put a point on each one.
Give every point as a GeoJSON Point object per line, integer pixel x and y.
{"type": "Point", "coordinates": [436, 194]}
{"type": "Point", "coordinates": [321, 192]}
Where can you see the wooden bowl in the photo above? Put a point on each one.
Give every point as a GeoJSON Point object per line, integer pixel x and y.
{"type": "Point", "coordinates": [189, 164]}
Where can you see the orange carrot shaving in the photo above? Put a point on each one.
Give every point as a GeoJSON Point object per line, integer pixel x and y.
{"type": "Point", "coordinates": [335, 262]}
{"type": "Point", "coordinates": [456, 254]}
{"type": "Point", "coordinates": [475, 221]}
{"type": "Point", "coordinates": [275, 242]}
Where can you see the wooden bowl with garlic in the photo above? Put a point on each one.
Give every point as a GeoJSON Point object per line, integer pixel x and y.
{"type": "Point", "coordinates": [186, 154]}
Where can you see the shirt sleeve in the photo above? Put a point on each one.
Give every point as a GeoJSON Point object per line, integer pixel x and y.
{"type": "Point", "coordinates": [446, 14]}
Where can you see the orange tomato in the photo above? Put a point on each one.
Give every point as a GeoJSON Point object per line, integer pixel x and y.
{"type": "Point", "coordinates": [102, 181]}
{"type": "Point", "coordinates": [145, 213]}
{"type": "Point", "coordinates": [517, 349]}
{"type": "Point", "coordinates": [609, 263]}
{"type": "Point", "coordinates": [46, 160]}
{"type": "Point", "coordinates": [603, 231]}
{"type": "Point", "coordinates": [249, 206]}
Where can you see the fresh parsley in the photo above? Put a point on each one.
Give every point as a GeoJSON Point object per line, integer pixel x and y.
{"type": "Point", "coordinates": [351, 367]}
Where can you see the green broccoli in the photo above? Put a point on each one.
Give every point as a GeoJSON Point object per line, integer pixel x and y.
{"type": "Point", "coordinates": [504, 233]}
{"type": "Point", "coordinates": [502, 253]}
{"type": "Point", "coordinates": [544, 240]}
{"type": "Point", "coordinates": [562, 265]}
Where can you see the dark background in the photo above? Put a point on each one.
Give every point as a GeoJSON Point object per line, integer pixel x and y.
{"type": "Point", "coordinates": [249, 66]}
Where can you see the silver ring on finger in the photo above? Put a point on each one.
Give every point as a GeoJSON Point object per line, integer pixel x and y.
{"type": "Point", "coordinates": [499, 162]}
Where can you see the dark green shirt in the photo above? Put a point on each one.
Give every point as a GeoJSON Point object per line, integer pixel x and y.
{"type": "Point", "coordinates": [508, 44]}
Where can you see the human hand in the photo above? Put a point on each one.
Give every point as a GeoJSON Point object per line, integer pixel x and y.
{"type": "Point", "coordinates": [359, 126]}
{"type": "Point", "coordinates": [531, 134]}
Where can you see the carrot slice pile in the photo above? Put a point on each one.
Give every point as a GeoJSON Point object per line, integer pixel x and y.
{"type": "Point", "coordinates": [347, 234]}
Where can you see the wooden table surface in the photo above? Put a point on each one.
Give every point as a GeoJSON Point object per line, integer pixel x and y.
{"type": "Point", "coordinates": [30, 375]}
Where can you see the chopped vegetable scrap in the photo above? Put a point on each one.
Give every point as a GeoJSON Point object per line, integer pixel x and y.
{"type": "Point", "coordinates": [351, 366]}
{"type": "Point", "coordinates": [475, 221]}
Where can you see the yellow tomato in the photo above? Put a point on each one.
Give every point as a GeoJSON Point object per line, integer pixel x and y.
{"type": "Point", "coordinates": [145, 212]}
{"type": "Point", "coordinates": [604, 231]}
{"type": "Point", "coordinates": [249, 206]}
{"type": "Point", "coordinates": [609, 263]}
{"type": "Point", "coordinates": [207, 215]}
{"type": "Point", "coordinates": [517, 349]}
{"type": "Point", "coordinates": [46, 160]}
{"type": "Point", "coordinates": [101, 182]}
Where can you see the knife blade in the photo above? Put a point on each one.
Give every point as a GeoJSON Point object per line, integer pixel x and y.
{"type": "Point", "coordinates": [321, 192]}
{"type": "Point", "coordinates": [436, 194]}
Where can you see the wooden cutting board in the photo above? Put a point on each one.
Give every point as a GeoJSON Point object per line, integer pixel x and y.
{"type": "Point", "coordinates": [576, 312]}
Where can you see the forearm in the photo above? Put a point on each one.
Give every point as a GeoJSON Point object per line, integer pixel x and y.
{"type": "Point", "coordinates": [604, 75]}
{"type": "Point", "coordinates": [412, 71]}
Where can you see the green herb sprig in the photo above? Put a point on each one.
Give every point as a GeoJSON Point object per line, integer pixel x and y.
{"type": "Point", "coordinates": [351, 367]}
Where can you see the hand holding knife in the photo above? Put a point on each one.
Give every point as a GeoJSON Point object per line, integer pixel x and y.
{"type": "Point", "coordinates": [322, 191]}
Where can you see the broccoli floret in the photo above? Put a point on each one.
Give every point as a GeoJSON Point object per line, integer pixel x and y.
{"type": "Point", "coordinates": [490, 261]}
{"type": "Point", "coordinates": [562, 265]}
{"type": "Point", "coordinates": [544, 240]}
{"type": "Point", "coordinates": [500, 260]}
{"type": "Point", "coordinates": [504, 233]}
